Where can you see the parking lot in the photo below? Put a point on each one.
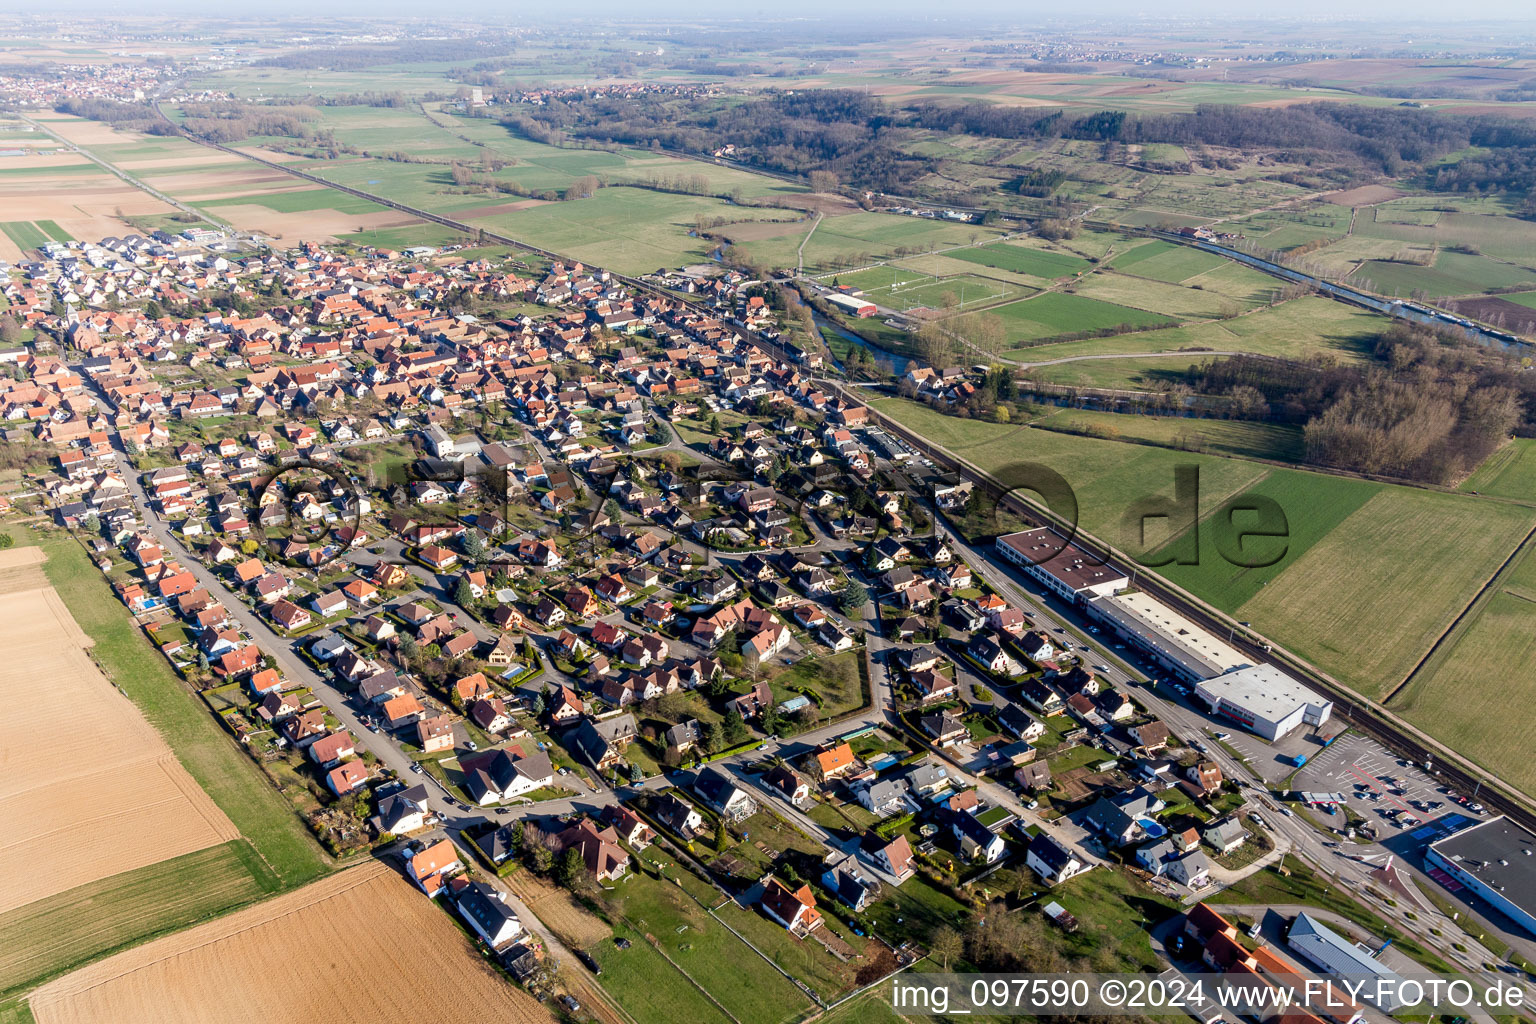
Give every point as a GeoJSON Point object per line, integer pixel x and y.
{"type": "Point", "coordinates": [1379, 786]}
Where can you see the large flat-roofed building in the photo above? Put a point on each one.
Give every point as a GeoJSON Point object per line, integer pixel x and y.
{"type": "Point", "coordinates": [1062, 566]}
{"type": "Point", "coordinates": [1168, 638]}
{"type": "Point", "coordinates": [1495, 859]}
{"type": "Point", "coordinates": [1263, 700]}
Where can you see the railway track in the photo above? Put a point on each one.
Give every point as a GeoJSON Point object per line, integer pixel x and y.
{"type": "Point", "coordinates": [1361, 714]}
{"type": "Point", "coordinates": [1371, 719]}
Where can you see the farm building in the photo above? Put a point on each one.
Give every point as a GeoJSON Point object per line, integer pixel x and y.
{"type": "Point", "coordinates": [1263, 700]}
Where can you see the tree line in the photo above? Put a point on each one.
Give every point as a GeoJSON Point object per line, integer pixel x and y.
{"type": "Point", "coordinates": [1432, 407]}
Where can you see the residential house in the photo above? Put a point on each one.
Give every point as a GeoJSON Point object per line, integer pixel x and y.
{"type": "Point", "coordinates": [795, 909]}
{"type": "Point", "coordinates": [485, 908]}
{"type": "Point", "coordinates": [601, 743]}
{"type": "Point", "coordinates": [435, 733]}
{"type": "Point", "coordinates": [605, 859]}
{"type": "Point", "coordinates": [892, 856]}
{"type": "Point", "coordinates": [1052, 861]}
{"type": "Point", "coordinates": [431, 866]}
{"type": "Point", "coordinates": [723, 796]}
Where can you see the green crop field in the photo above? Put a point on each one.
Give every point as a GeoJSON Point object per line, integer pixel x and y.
{"type": "Point", "coordinates": [1023, 260]}
{"type": "Point", "coordinates": [44, 939]}
{"type": "Point", "coordinates": [53, 231]}
{"type": "Point", "coordinates": [303, 201]}
{"type": "Point", "coordinates": [25, 234]}
{"type": "Point", "coordinates": [1175, 264]}
{"type": "Point", "coordinates": [1509, 472]}
{"type": "Point", "coordinates": [1313, 503]}
{"type": "Point", "coordinates": [1466, 694]}
{"type": "Point", "coordinates": [1295, 329]}
{"type": "Point", "coordinates": [1225, 437]}
{"type": "Point", "coordinates": [1055, 313]}
{"type": "Point", "coordinates": [1343, 604]}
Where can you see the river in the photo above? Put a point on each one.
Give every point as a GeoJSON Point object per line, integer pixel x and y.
{"type": "Point", "coordinates": [898, 362]}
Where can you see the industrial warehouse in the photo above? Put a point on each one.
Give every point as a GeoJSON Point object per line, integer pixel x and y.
{"type": "Point", "coordinates": [1263, 700]}
{"type": "Point", "coordinates": [1175, 643]}
{"type": "Point", "coordinates": [1063, 567]}
{"type": "Point", "coordinates": [1496, 860]}
{"type": "Point", "coordinates": [1260, 698]}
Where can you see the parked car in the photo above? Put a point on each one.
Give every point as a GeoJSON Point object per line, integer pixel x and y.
{"type": "Point", "coordinates": [589, 961]}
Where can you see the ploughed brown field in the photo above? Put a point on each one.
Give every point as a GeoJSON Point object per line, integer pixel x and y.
{"type": "Point", "coordinates": [361, 946]}
{"type": "Point", "coordinates": [88, 788]}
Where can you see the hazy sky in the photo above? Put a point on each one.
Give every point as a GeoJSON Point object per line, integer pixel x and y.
{"type": "Point", "coordinates": [1394, 11]}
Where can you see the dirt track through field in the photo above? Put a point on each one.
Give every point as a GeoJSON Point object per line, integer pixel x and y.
{"type": "Point", "coordinates": [362, 946]}
{"type": "Point", "coordinates": [88, 788]}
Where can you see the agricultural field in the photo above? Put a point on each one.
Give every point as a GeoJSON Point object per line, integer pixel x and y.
{"type": "Point", "coordinates": [1440, 548]}
{"type": "Point", "coordinates": [1451, 695]}
{"type": "Point", "coordinates": [1056, 313]}
{"type": "Point", "coordinates": [1130, 373]}
{"type": "Point", "coordinates": [1225, 437]}
{"type": "Point", "coordinates": [58, 198]}
{"type": "Point", "coordinates": [1166, 261]}
{"type": "Point", "coordinates": [64, 931]}
{"type": "Point", "coordinates": [1351, 542]}
{"type": "Point", "coordinates": [126, 905]}
{"type": "Point", "coordinates": [129, 804]}
{"type": "Point", "coordinates": [1294, 329]}
{"type": "Point", "coordinates": [225, 970]}
{"type": "Point", "coordinates": [1452, 273]}
{"type": "Point", "coordinates": [1509, 472]}
{"type": "Point", "coordinates": [1173, 300]}
{"type": "Point", "coordinates": [859, 238]}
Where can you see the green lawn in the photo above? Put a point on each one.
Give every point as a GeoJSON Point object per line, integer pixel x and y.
{"type": "Point", "coordinates": [807, 961]}
{"type": "Point", "coordinates": [1023, 260]}
{"type": "Point", "coordinates": [45, 939]}
{"type": "Point", "coordinates": [1055, 313]}
{"type": "Point", "coordinates": [743, 982]}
